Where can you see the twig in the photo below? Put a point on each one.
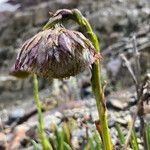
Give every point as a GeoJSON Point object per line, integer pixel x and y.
{"type": "Point", "coordinates": [128, 65]}
{"type": "Point", "coordinates": [138, 77]}
{"type": "Point", "coordinates": [140, 101]}
{"type": "Point", "coordinates": [141, 111]}
{"type": "Point", "coordinates": [137, 60]}
{"type": "Point", "coordinates": [131, 126]}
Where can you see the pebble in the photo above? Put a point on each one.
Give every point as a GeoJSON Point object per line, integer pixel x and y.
{"type": "Point", "coordinates": [113, 134]}
{"type": "Point", "coordinates": [122, 121]}
{"type": "Point", "coordinates": [137, 125]}
{"type": "Point", "coordinates": [79, 133]}
{"type": "Point", "coordinates": [50, 119]}
{"type": "Point", "coordinates": [16, 114]}
{"type": "Point", "coordinates": [58, 115]}
{"type": "Point", "coordinates": [117, 104]}
{"type": "Point", "coordinates": [75, 142]}
{"type": "Point", "coordinates": [91, 103]}
{"type": "Point", "coordinates": [111, 122]}
{"type": "Point", "coordinates": [132, 101]}
{"type": "Point", "coordinates": [19, 135]}
{"type": "Point", "coordinates": [8, 7]}
{"type": "Point", "coordinates": [3, 139]}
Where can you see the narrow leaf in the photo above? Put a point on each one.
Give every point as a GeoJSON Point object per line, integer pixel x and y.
{"type": "Point", "coordinates": [67, 146]}
{"type": "Point", "coordinates": [148, 135]}
{"type": "Point", "coordinates": [133, 141]}
{"type": "Point", "coordinates": [97, 140]}
{"type": "Point", "coordinates": [120, 134]}
{"type": "Point", "coordinates": [60, 139]}
{"type": "Point", "coordinates": [35, 145]}
{"type": "Point", "coordinates": [91, 143]}
{"type": "Point", "coordinates": [67, 133]}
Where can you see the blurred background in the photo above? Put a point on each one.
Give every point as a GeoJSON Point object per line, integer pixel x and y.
{"type": "Point", "coordinates": [122, 26]}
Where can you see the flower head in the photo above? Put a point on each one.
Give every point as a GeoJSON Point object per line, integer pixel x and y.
{"type": "Point", "coordinates": [55, 53]}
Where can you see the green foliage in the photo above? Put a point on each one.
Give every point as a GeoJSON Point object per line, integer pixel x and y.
{"type": "Point", "coordinates": [61, 140]}
{"type": "Point", "coordinates": [91, 143]}
{"type": "Point", "coordinates": [95, 142]}
{"type": "Point", "coordinates": [67, 146]}
{"type": "Point", "coordinates": [121, 137]}
{"type": "Point", "coordinates": [148, 135]}
{"type": "Point", "coordinates": [133, 141]}
{"type": "Point", "coordinates": [35, 145]}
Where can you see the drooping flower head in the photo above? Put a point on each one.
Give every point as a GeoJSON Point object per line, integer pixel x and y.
{"type": "Point", "coordinates": [55, 53]}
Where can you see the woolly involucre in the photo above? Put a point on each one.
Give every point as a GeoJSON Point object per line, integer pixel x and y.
{"type": "Point", "coordinates": [55, 53]}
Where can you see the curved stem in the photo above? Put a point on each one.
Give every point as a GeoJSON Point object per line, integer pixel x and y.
{"type": "Point", "coordinates": [97, 88]}
{"type": "Point", "coordinates": [76, 15]}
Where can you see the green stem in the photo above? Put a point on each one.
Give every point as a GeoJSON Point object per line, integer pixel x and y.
{"type": "Point", "coordinates": [96, 83]}
{"type": "Point", "coordinates": [96, 78]}
{"type": "Point", "coordinates": [44, 141]}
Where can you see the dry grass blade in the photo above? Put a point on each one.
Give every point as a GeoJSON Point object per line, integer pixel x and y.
{"type": "Point", "coordinates": [128, 65]}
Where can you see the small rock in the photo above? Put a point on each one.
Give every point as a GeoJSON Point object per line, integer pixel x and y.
{"type": "Point", "coordinates": [113, 134]}
{"type": "Point", "coordinates": [79, 133]}
{"type": "Point", "coordinates": [116, 103]}
{"type": "Point", "coordinates": [15, 115]}
{"type": "Point", "coordinates": [137, 125]}
{"type": "Point", "coordinates": [32, 133]}
{"type": "Point", "coordinates": [122, 121]}
{"type": "Point", "coordinates": [3, 139]}
{"type": "Point", "coordinates": [75, 142]}
{"type": "Point", "coordinates": [85, 92]}
{"type": "Point", "coordinates": [50, 119]}
{"type": "Point", "coordinates": [58, 115]}
{"type": "Point", "coordinates": [77, 115]}
{"type": "Point", "coordinates": [94, 114]}
{"type": "Point", "coordinates": [19, 135]}
{"type": "Point", "coordinates": [147, 117]}
{"type": "Point", "coordinates": [132, 101]}
{"type": "Point", "coordinates": [141, 147]}
{"type": "Point", "coordinates": [91, 103]}
{"type": "Point", "coordinates": [8, 7]}
{"type": "Point", "coordinates": [111, 122]}
{"type": "Point", "coordinates": [87, 117]}
{"type": "Point", "coordinates": [119, 99]}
